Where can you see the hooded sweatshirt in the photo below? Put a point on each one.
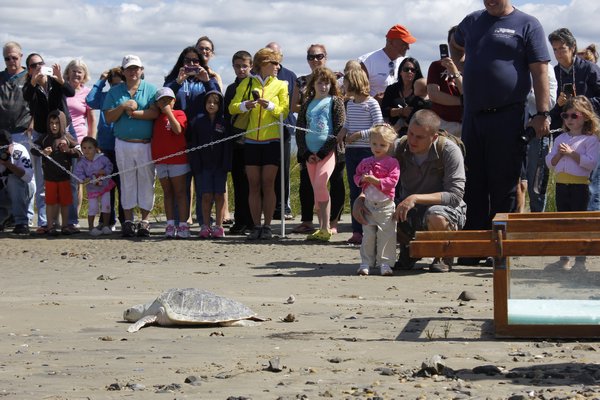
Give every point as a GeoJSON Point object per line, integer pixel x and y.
{"type": "Point", "coordinates": [203, 131]}
{"type": "Point", "coordinates": [91, 169]}
{"type": "Point", "coordinates": [52, 172]}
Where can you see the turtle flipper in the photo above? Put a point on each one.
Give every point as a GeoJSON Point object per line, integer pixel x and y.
{"type": "Point", "coordinates": [147, 320]}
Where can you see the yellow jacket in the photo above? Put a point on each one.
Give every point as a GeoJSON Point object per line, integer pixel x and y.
{"type": "Point", "coordinates": [273, 90]}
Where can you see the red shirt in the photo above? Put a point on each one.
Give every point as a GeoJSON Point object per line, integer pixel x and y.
{"type": "Point", "coordinates": [165, 141]}
{"type": "Point", "coordinates": [434, 76]}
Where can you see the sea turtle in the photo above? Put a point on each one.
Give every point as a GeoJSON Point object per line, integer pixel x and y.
{"type": "Point", "coordinates": [190, 307]}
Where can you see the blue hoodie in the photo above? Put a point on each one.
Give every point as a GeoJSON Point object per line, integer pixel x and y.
{"type": "Point", "coordinates": [202, 131]}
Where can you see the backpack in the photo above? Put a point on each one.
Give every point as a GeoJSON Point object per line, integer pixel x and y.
{"type": "Point", "coordinates": [402, 146]}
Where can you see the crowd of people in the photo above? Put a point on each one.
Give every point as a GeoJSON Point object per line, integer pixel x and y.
{"type": "Point", "coordinates": [441, 150]}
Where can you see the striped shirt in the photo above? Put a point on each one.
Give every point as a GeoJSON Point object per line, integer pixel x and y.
{"type": "Point", "coordinates": [361, 117]}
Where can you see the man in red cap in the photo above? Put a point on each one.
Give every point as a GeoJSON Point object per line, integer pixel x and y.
{"type": "Point", "coordinates": [381, 65]}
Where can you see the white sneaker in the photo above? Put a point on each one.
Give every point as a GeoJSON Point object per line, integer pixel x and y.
{"type": "Point", "coordinates": [96, 231]}
{"type": "Point", "coordinates": [106, 230]}
{"type": "Point", "coordinates": [385, 270]}
{"type": "Point", "coordinates": [170, 231]}
{"type": "Point", "coordinates": [363, 270]}
{"type": "Point", "coordinates": [183, 232]}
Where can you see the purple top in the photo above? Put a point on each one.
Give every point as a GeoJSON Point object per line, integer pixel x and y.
{"type": "Point", "coordinates": [92, 169]}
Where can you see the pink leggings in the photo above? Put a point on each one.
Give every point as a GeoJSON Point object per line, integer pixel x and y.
{"type": "Point", "coordinates": [319, 174]}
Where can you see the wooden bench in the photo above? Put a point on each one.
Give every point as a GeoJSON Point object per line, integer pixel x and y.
{"type": "Point", "coordinates": [528, 234]}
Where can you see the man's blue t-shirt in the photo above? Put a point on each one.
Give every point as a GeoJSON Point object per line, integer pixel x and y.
{"type": "Point", "coordinates": [498, 51]}
{"type": "Point", "coordinates": [129, 128]}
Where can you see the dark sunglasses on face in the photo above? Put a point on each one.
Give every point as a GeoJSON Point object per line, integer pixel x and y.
{"type": "Point", "coordinates": [191, 60]}
{"type": "Point", "coordinates": [37, 64]}
{"type": "Point", "coordinates": [312, 57]}
{"type": "Point", "coordinates": [273, 62]}
{"type": "Point", "coordinates": [408, 69]}
{"type": "Point", "coordinates": [11, 58]}
{"type": "Point", "coordinates": [570, 115]}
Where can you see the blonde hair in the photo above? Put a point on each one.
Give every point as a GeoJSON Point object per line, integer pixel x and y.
{"type": "Point", "coordinates": [262, 56]}
{"type": "Point", "coordinates": [385, 131]}
{"type": "Point", "coordinates": [358, 83]}
{"type": "Point", "coordinates": [591, 124]}
{"type": "Point", "coordinates": [80, 64]}
{"type": "Point", "coordinates": [352, 65]}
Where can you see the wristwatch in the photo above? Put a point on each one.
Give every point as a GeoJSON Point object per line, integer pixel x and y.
{"type": "Point", "coordinates": [543, 113]}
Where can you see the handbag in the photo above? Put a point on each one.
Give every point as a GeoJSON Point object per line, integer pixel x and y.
{"type": "Point", "coordinates": [239, 122]}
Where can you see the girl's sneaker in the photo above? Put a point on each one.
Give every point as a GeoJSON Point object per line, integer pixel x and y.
{"type": "Point", "coordinates": [106, 230]}
{"type": "Point", "coordinates": [183, 232]}
{"type": "Point", "coordinates": [218, 232]}
{"type": "Point", "coordinates": [170, 232]}
{"type": "Point", "coordinates": [204, 232]}
{"type": "Point", "coordinates": [96, 231]}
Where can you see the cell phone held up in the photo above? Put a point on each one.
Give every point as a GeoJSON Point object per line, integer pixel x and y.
{"type": "Point", "coordinates": [444, 51]}
{"type": "Point", "coordinates": [191, 70]}
{"type": "Point", "coordinates": [255, 94]}
{"type": "Point", "coordinates": [46, 71]}
{"type": "Point", "coordinates": [568, 89]}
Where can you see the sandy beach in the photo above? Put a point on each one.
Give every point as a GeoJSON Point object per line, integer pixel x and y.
{"type": "Point", "coordinates": [63, 336]}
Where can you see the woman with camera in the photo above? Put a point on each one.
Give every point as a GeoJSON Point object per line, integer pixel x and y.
{"type": "Point", "coordinates": [45, 90]}
{"type": "Point", "coordinates": [190, 80]}
{"type": "Point", "coordinates": [265, 98]}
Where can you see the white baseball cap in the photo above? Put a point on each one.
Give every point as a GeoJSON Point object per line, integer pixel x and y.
{"type": "Point", "coordinates": [130, 60]}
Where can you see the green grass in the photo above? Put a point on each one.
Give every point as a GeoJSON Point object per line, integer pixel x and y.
{"type": "Point", "coordinates": [158, 211]}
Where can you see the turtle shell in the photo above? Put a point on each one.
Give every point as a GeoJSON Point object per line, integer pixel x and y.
{"type": "Point", "coordinates": [199, 306]}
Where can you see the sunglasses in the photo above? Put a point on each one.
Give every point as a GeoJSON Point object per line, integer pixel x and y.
{"type": "Point", "coordinates": [11, 58]}
{"type": "Point", "coordinates": [566, 116]}
{"type": "Point", "coordinates": [191, 60]}
{"type": "Point", "coordinates": [37, 64]}
{"type": "Point", "coordinates": [313, 57]}
{"type": "Point", "coordinates": [392, 68]}
{"type": "Point", "coordinates": [408, 69]}
{"type": "Point", "coordinates": [272, 62]}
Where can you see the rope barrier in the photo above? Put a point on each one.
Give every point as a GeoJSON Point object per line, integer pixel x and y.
{"type": "Point", "coordinates": [179, 153]}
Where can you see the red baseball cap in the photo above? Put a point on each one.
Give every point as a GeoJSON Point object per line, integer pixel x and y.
{"type": "Point", "coordinates": [400, 32]}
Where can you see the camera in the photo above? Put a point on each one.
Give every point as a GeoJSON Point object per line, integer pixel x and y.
{"type": "Point", "coordinates": [4, 154]}
{"type": "Point", "coordinates": [444, 51]}
{"type": "Point", "coordinates": [191, 70]}
{"type": "Point", "coordinates": [568, 89]}
{"type": "Point", "coordinates": [528, 135]}
{"type": "Point", "coordinates": [46, 71]}
{"type": "Point", "coordinates": [255, 94]}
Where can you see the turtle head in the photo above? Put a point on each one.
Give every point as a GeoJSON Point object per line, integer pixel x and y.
{"type": "Point", "coordinates": [134, 313]}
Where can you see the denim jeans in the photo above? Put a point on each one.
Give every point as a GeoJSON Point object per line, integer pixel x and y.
{"type": "Point", "coordinates": [354, 155]}
{"type": "Point", "coordinates": [15, 199]}
{"type": "Point", "coordinates": [40, 193]}
{"type": "Point", "coordinates": [594, 203]}
{"type": "Point", "coordinates": [537, 173]}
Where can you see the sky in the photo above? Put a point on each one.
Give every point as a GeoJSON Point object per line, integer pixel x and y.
{"type": "Point", "coordinates": [101, 32]}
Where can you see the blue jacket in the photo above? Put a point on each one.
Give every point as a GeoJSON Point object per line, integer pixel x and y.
{"type": "Point", "coordinates": [202, 131]}
{"type": "Point", "coordinates": [95, 99]}
{"type": "Point", "coordinates": [587, 83]}
{"type": "Point", "coordinates": [189, 96]}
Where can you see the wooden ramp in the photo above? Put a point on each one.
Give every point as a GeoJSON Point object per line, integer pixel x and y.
{"type": "Point", "coordinates": [527, 234]}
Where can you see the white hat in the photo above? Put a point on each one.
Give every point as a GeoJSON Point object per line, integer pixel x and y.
{"type": "Point", "coordinates": [164, 92]}
{"type": "Point", "coordinates": [130, 60]}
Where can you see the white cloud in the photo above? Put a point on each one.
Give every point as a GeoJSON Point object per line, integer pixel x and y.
{"type": "Point", "coordinates": [102, 31]}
